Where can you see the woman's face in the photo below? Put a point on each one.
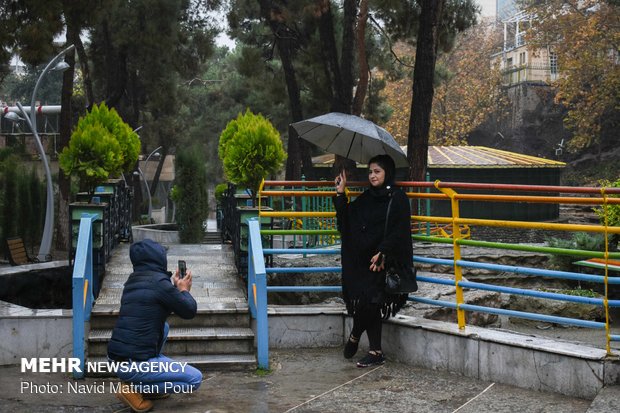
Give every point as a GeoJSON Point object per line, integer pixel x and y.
{"type": "Point", "coordinates": [376, 175]}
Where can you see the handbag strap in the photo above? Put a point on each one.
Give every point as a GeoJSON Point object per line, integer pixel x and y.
{"type": "Point", "coordinates": [387, 215]}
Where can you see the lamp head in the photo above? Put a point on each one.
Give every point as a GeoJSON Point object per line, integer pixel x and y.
{"type": "Point", "coordinates": [13, 117]}
{"type": "Point", "coordinates": [60, 66]}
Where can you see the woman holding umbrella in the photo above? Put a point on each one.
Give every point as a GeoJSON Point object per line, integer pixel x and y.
{"type": "Point", "coordinates": [367, 242]}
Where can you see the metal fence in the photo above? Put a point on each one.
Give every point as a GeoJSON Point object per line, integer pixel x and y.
{"type": "Point", "coordinates": [605, 198]}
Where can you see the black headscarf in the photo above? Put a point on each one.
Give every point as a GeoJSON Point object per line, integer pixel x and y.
{"type": "Point", "coordinates": [387, 164]}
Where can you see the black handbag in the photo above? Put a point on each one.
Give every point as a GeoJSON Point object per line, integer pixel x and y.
{"type": "Point", "coordinates": [400, 278]}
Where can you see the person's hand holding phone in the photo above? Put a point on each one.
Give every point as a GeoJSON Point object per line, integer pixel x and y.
{"type": "Point", "coordinates": [183, 277]}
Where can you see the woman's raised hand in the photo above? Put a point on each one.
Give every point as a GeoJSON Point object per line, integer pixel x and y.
{"type": "Point", "coordinates": [341, 182]}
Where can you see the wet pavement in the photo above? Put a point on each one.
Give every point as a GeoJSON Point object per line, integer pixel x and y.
{"type": "Point", "coordinates": [301, 380]}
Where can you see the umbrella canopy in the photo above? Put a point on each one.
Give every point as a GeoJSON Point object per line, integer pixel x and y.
{"type": "Point", "coordinates": [350, 136]}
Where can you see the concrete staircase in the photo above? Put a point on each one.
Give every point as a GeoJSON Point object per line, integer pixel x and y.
{"type": "Point", "coordinates": [218, 337]}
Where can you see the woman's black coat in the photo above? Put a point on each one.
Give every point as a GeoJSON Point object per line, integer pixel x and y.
{"type": "Point", "coordinates": [362, 224]}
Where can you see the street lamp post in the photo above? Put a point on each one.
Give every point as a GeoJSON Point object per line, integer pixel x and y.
{"type": "Point", "coordinates": [146, 184]}
{"type": "Point", "coordinates": [31, 120]}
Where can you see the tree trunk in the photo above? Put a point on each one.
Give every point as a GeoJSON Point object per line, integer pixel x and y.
{"type": "Point", "coordinates": [423, 90]}
{"type": "Point", "coordinates": [362, 84]}
{"type": "Point", "coordinates": [329, 55]}
{"type": "Point", "coordinates": [285, 39]}
{"type": "Point", "coordinates": [347, 55]}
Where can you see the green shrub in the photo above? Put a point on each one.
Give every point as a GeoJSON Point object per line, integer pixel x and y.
{"type": "Point", "coordinates": [579, 241]}
{"type": "Point", "coordinates": [250, 149]}
{"type": "Point", "coordinates": [190, 195]}
{"type": "Point", "coordinates": [219, 191]}
{"type": "Point", "coordinates": [101, 146]}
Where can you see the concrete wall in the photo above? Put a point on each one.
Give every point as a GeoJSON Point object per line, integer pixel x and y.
{"type": "Point", "coordinates": [35, 333]}
{"type": "Point", "coordinates": [491, 355]}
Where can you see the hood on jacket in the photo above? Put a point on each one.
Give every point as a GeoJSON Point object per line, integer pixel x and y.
{"type": "Point", "coordinates": [148, 255]}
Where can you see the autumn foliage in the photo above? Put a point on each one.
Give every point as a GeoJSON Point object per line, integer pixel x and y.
{"type": "Point", "coordinates": [467, 89]}
{"type": "Point", "coordinates": [585, 35]}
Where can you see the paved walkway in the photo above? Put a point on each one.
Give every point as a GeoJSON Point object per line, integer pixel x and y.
{"type": "Point", "coordinates": [318, 380]}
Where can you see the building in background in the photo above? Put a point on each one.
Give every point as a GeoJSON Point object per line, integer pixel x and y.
{"type": "Point", "coordinates": [519, 63]}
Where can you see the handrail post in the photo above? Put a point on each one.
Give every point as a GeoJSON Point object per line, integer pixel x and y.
{"type": "Point", "coordinates": [82, 288]}
{"type": "Point", "coordinates": [251, 276]}
{"type": "Point", "coordinates": [259, 289]}
{"type": "Point", "coordinates": [456, 235]}
{"type": "Point", "coordinates": [428, 206]}
{"type": "Point", "coordinates": [606, 298]}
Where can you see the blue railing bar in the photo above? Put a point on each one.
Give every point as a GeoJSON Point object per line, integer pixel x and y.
{"type": "Point", "coordinates": [440, 303]}
{"type": "Point", "coordinates": [530, 293]}
{"type": "Point", "coordinates": [288, 270]}
{"type": "Point", "coordinates": [269, 251]}
{"type": "Point", "coordinates": [533, 316]}
{"type": "Point", "coordinates": [82, 277]}
{"type": "Point", "coordinates": [302, 289]}
{"type": "Point", "coordinates": [535, 271]}
{"type": "Point", "coordinates": [251, 280]}
{"type": "Point", "coordinates": [519, 314]}
{"type": "Point", "coordinates": [520, 270]}
{"type": "Point", "coordinates": [539, 294]}
{"type": "Point", "coordinates": [614, 337]}
{"type": "Point", "coordinates": [442, 281]}
{"type": "Point", "coordinates": [260, 279]}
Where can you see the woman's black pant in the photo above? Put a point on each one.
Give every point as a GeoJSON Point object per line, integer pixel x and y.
{"type": "Point", "coordinates": [368, 318]}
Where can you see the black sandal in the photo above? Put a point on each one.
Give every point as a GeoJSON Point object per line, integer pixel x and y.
{"type": "Point", "coordinates": [373, 358]}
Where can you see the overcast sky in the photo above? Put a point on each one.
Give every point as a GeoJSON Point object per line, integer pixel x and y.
{"type": "Point", "coordinates": [488, 7]}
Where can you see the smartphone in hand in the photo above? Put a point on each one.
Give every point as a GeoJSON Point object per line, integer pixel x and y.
{"type": "Point", "coordinates": [182, 268]}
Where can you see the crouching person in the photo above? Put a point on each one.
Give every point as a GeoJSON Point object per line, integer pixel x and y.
{"type": "Point", "coordinates": [150, 295]}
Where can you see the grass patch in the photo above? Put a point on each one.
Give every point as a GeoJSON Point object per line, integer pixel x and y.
{"type": "Point", "coordinates": [262, 372]}
{"type": "Point", "coordinates": [580, 292]}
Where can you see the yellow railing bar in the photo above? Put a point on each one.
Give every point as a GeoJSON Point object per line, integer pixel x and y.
{"type": "Point", "coordinates": [259, 193]}
{"type": "Point", "coordinates": [458, 272]}
{"type": "Point", "coordinates": [85, 290]}
{"type": "Point", "coordinates": [606, 298]}
{"type": "Point", "coordinates": [515, 224]}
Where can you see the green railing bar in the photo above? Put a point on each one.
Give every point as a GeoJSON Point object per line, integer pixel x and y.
{"type": "Point", "coordinates": [519, 247]}
{"type": "Point", "coordinates": [299, 232]}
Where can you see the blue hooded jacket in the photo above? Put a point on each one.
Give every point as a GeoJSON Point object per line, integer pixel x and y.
{"type": "Point", "coordinates": [148, 299]}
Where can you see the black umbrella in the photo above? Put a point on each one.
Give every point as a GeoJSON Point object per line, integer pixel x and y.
{"type": "Point", "coordinates": [350, 136]}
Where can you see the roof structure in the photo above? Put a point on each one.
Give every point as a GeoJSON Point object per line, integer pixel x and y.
{"type": "Point", "coordinates": [470, 157]}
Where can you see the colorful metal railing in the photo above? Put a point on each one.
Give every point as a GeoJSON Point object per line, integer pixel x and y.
{"type": "Point", "coordinates": [257, 281]}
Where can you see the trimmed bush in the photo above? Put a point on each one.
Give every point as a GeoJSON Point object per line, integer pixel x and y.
{"type": "Point", "coordinates": [250, 149]}
{"type": "Point", "coordinates": [101, 146]}
{"type": "Point", "coordinates": [190, 195]}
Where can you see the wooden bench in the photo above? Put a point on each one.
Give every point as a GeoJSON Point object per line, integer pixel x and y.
{"type": "Point", "coordinates": [17, 252]}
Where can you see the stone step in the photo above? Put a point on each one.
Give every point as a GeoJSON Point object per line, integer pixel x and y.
{"type": "Point", "coordinates": [233, 315]}
{"type": "Point", "coordinates": [188, 341]}
{"type": "Point", "coordinates": [206, 362]}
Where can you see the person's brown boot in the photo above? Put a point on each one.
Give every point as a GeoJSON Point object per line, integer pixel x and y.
{"type": "Point", "coordinates": [133, 399]}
